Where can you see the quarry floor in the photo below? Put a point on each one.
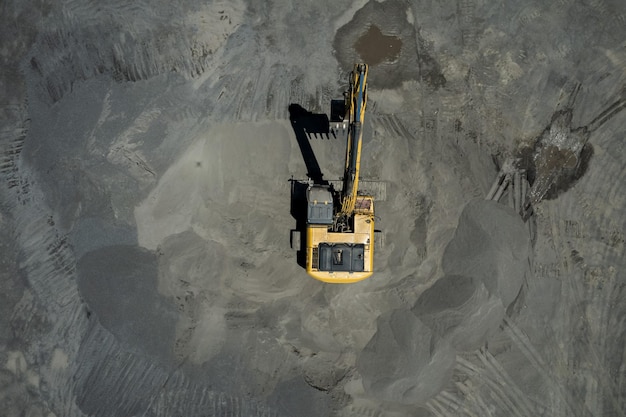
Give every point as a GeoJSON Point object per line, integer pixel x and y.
{"type": "Point", "coordinates": [146, 153]}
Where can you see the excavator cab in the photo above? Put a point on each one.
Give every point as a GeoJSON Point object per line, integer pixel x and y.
{"type": "Point", "coordinates": [320, 207]}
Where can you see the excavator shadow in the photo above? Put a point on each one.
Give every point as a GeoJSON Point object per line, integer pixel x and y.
{"type": "Point", "coordinates": [298, 212]}
{"type": "Point", "coordinates": [306, 126]}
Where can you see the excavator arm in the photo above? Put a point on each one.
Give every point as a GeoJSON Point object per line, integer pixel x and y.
{"type": "Point", "coordinates": [356, 101]}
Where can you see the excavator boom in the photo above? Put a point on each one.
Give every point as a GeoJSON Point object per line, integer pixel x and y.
{"type": "Point", "coordinates": [356, 102]}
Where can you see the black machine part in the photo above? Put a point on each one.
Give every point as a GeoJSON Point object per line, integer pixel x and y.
{"type": "Point", "coordinates": [341, 257]}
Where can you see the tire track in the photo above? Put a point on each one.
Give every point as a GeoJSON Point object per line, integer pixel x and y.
{"type": "Point", "coordinates": [391, 126]}
{"type": "Point", "coordinates": [266, 93]}
{"type": "Point", "coordinates": [85, 45]}
{"type": "Point", "coordinates": [449, 402]}
{"type": "Point", "coordinates": [53, 313]}
{"type": "Point", "coordinates": [11, 143]}
{"type": "Point", "coordinates": [585, 302]}
{"type": "Point", "coordinates": [470, 394]}
{"type": "Point", "coordinates": [452, 402]}
{"type": "Point", "coordinates": [468, 23]}
{"type": "Point", "coordinates": [436, 408]}
{"type": "Point", "coordinates": [501, 376]}
{"type": "Point", "coordinates": [123, 151]}
{"type": "Point", "coordinates": [536, 360]}
{"type": "Point", "coordinates": [497, 394]}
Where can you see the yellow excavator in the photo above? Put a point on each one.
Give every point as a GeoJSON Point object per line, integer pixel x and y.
{"type": "Point", "coordinates": [340, 226]}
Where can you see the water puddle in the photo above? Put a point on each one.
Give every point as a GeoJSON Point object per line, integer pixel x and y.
{"type": "Point", "coordinates": [374, 47]}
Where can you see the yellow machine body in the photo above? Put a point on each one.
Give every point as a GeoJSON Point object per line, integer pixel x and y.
{"type": "Point", "coordinates": [362, 234]}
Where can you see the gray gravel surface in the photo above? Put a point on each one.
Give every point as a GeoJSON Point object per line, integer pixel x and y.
{"type": "Point", "coordinates": [145, 158]}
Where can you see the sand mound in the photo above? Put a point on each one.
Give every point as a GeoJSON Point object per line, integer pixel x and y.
{"type": "Point", "coordinates": [412, 353]}
{"type": "Point", "coordinates": [491, 244]}
{"type": "Point", "coordinates": [119, 284]}
{"type": "Point", "coordinates": [399, 364]}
